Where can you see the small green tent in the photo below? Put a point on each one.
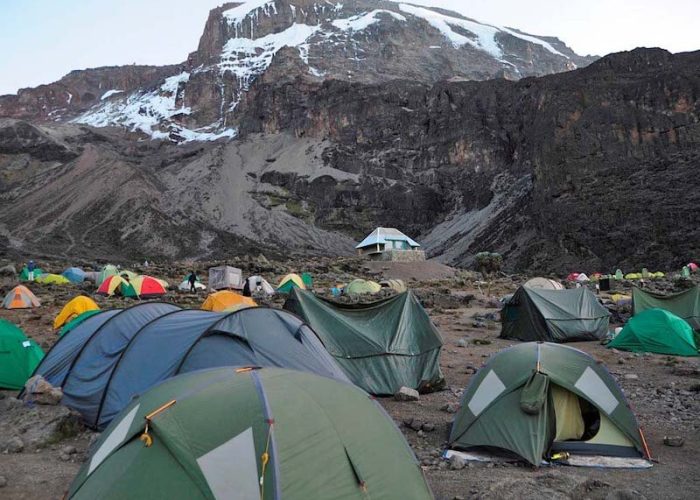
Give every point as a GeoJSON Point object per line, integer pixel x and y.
{"type": "Point", "coordinates": [251, 434]}
{"type": "Point", "coordinates": [381, 345]}
{"type": "Point", "coordinates": [658, 331]}
{"type": "Point", "coordinates": [76, 321]}
{"type": "Point", "coordinates": [308, 280]}
{"type": "Point", "coordinates": [537, 399]}
{"type": "Point", "coordinates": [685, 305]}
{"type": "Point", "coordinates": [19, 356]}
{"type": "Point", "coordinates": [361, 287]}
{"type": "Point", "coordinates": [107, 271]}
{"type": "Point", "coordinates": [554, 315]}
{"type": "Point", "coordinates": [24, 273]}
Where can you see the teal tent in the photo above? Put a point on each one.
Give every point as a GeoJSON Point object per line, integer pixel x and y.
{"type": "Point", "coordinates": [19, 356]}
{"type": "Point", "coordinates": [24, 273]}
{"type": "Point", "coordinates": [381, 346]}
{"type": "Point", "coordinates": [657, 331]}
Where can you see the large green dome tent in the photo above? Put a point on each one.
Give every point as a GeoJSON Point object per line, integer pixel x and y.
{"type": "Point", "coordinates": [536, 399]}
{"type": "Point", "coordinates": [246, 433]}
{"type": "Point", "coordinates": [657, 331]}
{"type": "Point", "coordinates": [535, 314]}
{"type": "Point", "coordinates": [113, 356]}
{"type": "Point", "coordinates": [19, 356]}
{"type": "Point", "coordinates": [381, 345]}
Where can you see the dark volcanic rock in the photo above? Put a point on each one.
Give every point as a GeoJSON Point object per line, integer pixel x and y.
{"type": "Point", "coordinates": [78, 91]}
{"type": "Point", "coordinates": [588, 168]}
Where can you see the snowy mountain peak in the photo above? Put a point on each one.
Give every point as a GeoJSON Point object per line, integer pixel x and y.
{"type": "Point", "coordinates": [357, 40]}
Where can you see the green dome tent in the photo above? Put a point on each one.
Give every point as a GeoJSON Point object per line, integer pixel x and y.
{"type": "Point", "coordinates": [381, 345]}
{"type": "Point", "coordinates": [537, 399]}
{"type": "Point", "coordinates": [24, 273]}
{"type": "Point", "coordinates": [554, 315]}
{"type": "Point", "coordinates": [106, 272]}
{"type": "Point", "coordinates": [658, 331]}
{"type": "Point", "coordinates": [361, 287]}
{"type": "Point", "coordinates": [19, 356]}
{"type": "Point", "coordinates": [247, 433]}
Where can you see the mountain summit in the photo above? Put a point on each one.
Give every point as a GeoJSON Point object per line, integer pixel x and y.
{"type": "Point", "coordinates": [355, 40]}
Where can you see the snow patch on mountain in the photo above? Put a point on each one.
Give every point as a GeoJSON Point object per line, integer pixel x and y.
{"type": "Point", "coordinates": [363, 21]}
{"type": "Point", "coordinates": [148, 112]}
{"type": "Point", "coordinates": [247, 58]}
{"type": "Point", "coordinates": [237, 15]}
{"type": "Point", "coordinates": [484, 34]}
{"type": "Point", "coordinates": [535, 40]}
{"type": "Point", "coordinates": [110, 93]}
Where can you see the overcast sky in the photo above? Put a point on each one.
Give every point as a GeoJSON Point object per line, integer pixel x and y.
{"type": "Point", "coordinates": [42, 40]}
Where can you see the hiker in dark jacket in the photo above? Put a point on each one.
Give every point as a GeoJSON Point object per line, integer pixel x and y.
{"type": "Point", "coordinates": [192, 279]}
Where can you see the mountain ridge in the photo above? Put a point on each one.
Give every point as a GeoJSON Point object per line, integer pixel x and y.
{"type": "Point", "coordinates": [356, 40]}
{"type": "Point", "coordinates": [253, 152]}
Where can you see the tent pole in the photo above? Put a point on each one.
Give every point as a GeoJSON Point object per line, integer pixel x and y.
{"type": "Point", "coordinates": [644, 442]}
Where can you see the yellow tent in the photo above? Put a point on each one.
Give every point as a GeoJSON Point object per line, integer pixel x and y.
{"type": "Point", "coordinates": [226, 299]}
{"type": "Point", "coordinates": [619, 297]}
{"type": "Point", "coordinates": [74, 308]}
{"type": "Point", "coordinates": [53, 279]}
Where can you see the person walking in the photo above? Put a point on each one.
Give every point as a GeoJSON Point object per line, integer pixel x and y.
{"type": "Point", "coordinates": [192, 279]}
{"type": "Point", "coordinates": [31, 266]}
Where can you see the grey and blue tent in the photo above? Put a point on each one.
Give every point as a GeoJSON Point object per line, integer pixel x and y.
{"type": "Point", "coordinates": [120, 362]}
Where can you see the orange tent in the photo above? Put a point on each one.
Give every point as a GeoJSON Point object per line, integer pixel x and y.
{"type": "Point", "coordinates": [20, 297]}
{"type": "Point", "coordinates": [226, 299]}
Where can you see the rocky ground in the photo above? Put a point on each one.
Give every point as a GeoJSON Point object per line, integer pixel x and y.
{"type": "Point", "coordinates": [42, 447]}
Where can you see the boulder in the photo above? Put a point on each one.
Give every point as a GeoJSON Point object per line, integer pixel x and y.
{"type": "Point", "coordinates": [406, 394]}
{"type": "Point", "coordinates": [39, 391]}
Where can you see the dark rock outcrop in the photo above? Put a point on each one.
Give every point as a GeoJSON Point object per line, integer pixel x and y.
{"type": "Point", "coordinates": [591, 168]}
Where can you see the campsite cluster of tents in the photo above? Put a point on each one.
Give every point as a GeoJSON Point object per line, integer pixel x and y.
{"type": "Point", "coordinates": [289, 367]}
{"type": "Point", "coordinates": [292, 385]}
{"type": "Point", "coordinates": [618, 275]}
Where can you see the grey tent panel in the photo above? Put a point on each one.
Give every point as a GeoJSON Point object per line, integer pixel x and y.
{"type": "Point", "coordinates": [57, 363]}
{"type": "Point", "coordinates": [82, 390]}
{"type": "Point", "coordinates": [187, 340]}
{"type": "Point", "coordinates": [554, 316]}
{"type": "Point", "coordinates": [115, 355]}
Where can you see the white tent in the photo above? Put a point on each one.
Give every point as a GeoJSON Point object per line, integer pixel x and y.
{"type": "Point", "coordinates": [258, 284]}
{"type": "Point", "coordinates": [543, 284]}
{"type": "Point", "coordinates": [185, 285]}
{"type": "Point", "coordinates": [582, 278]}
{"type": "Point", "coordinates": [225, 277]}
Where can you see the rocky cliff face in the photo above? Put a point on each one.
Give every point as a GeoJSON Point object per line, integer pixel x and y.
{"type": "Point", "coordinates": [595, 168]}
{"type": "Point", "coordinates": [351, 116]}
{"type": "Point", "coordinates": [367, 41]}
{"type": "Point", "coordinates": [79, 91]}
{"type": "Point", "coordinates": [591, 167]}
